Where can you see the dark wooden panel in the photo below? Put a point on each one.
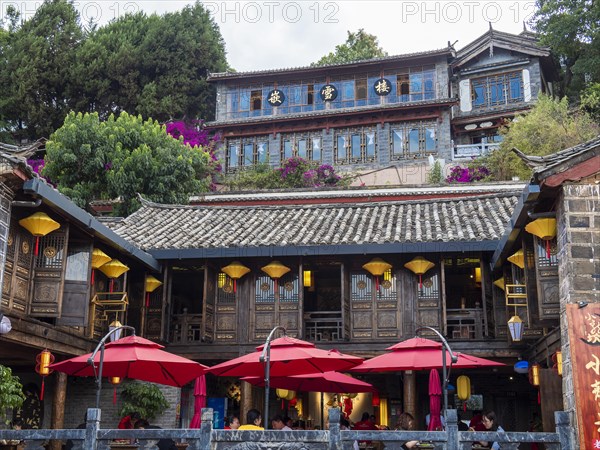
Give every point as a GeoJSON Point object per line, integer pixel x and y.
{"type": "Point", "coordinates": [551, 397]}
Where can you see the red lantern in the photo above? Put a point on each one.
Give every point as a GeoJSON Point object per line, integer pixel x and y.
{"type": "Point", "coordinates": [43, 360]}
{"type": "Point", "coordinates": [375, 401]}
{"type": "Point", "coordinates": [115, 381]}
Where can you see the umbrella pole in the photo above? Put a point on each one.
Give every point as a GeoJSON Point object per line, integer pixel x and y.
{"type": "Point", "coordinates": [99, 379]}
{"type": "Point", "coordinates": [453, 359]}
{"type": "Point", "coordinates": [322, 412]}
{"type": "Point", "coordinates": [266, 359]}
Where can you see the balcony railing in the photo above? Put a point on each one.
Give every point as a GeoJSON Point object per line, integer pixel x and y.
{"type": "Point", "coordinates": [323, 326]}
{"type": "Point", "coordinates": [186, 329]}
{"type": "Point", "coordinates": [465, 323]}
{"type": "Point", "coordinates": [473, 150]}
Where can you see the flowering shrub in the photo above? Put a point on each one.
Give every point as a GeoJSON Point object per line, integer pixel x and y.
{"type": "Point", "coordinates": [297, 172]}
{"type": "Point", "coordinates": [192, 134]}
{"type": "Point", "coordinates": [459, 174]}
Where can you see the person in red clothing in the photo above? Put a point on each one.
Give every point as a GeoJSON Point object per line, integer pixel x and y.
{"type": "Point", "coordinates": [128, 422]}
{"type": "Point", "coordinates": [476, 422]}
{"type": "Point", "coordinates": [364, 424]}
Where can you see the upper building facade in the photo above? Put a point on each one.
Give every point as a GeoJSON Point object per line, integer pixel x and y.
{"type": "Point", "coordinates": [380, 114]}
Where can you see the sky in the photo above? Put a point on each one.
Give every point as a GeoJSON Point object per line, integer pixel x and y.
{"type": "Point", "coordinates": [277, 34]}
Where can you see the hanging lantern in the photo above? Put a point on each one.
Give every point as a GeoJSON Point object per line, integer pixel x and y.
{"type": "Point", "coordinates": [99, 258]}
{"type": "Point", "coordinates": [116, 335]}
{"type": "Point", "coordinates": [375, 400]}
{"type": "Point", "coordinates": [275, 270]}
{"type": "Point", "coordinates": [377, 267]}
{"type": "Point", "coordinates": [39, 224]}
{"type": "Point", "coordinates": [419, 266]}
{"type": "Point", "coordinates": [5, 325]}
{"type": "Point", "coordinates": [290, 395]}
{"type": "Point", "coordinates": [557, 359]}
{"type": "Point", "coordinates": [500, 283]}
{"type": "Point", "coordinates": [43, 360]}
{"type": "Point", "coordinates": [518, 259]}
{"type": "Point", "coordinates": [115, 381]}
{"type": "Point", "coordinates": [477, 274]}
{"type": "Point", "coordinates": [545, 229]}
{"type": "Point", "coordinates": [151, 285]}
{"type": "Point", "coordinates": [282, 393]}
{"type": "Point", "coordinates": [463, 385]}
{"type": "Point", "coordinates": [515, 326]}
{"type": "Point", "coordinates": [235, 270]}
{"type": "Point", "coordinates": [113, 269]}
{"type": "Point", "coordinates": [534, 374]}
{"type": "Point", "coordinates": [307, 278]}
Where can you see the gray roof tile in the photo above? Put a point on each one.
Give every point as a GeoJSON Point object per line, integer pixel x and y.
{"type": "Point", "coordinates": [464, 219]}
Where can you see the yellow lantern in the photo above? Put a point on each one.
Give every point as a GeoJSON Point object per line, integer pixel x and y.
{"type": "Point", "coordinates": [43, 360]}
{"type": "Point", "coordinates": [290, 395]}
{"type": "Point", "coordinates": [545, 229]}
{"type": "Point", "coordinates": [557, 359]}
{"type": "Point", "coordinates": [113, 269]}
{"type": "Point", "coordinates": [151, 285]}
{"type": "Point", "coordinates": [500, 283]}
{"type": "Point", "coordinates": [377, 267]}
{"type": "Point", "coordinates": [534, 374]}
{"type": "Point", "coordinates": [282, 393]}
{"type": "Point", "coordinates": [275, 270]}
{"type": "Point", "coordinates": [463, 387]}
{"type": "Point", "coordinates": [99, 258]}
{"type": "Point", "coordinates": [115, 381]}
{"type": "Point", "coordinates": [518, 259]}
{"type": "Point", "coordinates": [419, 266]}
{"type": "Point", "coordinates": [235, 270]}
{"type": "Point", "coordinates": [39, 224]}
{"type": "Point", "coordinates": [307, 278]}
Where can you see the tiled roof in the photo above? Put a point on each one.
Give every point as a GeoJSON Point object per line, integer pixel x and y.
{"type": "Point", "coordinates": [541, 163]}
{"type": "Point", "coordinates": [233, 75]}
{"type": "Point", "coordinates": [461, 219]}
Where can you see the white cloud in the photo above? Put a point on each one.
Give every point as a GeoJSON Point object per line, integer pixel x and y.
{"type": "Point", "coordinates": [271, 34]}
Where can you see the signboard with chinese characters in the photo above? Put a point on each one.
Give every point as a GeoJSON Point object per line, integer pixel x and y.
{"type": "Point", "coordinates": [275, 97]}
{"type": "Point", "coordinates": [382, 86]}
{"type": "Point", "coordinates": [328, 93]}
{"type": "Point", "coordinates": [584, 336]}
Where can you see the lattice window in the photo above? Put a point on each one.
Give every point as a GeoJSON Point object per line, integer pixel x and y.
{"type": "Point", "coordinates": [355, 145]}
{"type": "Point", "coordinates": [361, 287]}
{"type": "Point", "coordinates": [306, 146]}
{"type": "Point", "coordinates": [289, 288]}
{"type": "Point", "coordinates": [51, 252]}
{"type": "Point", "coordinates": [542, 252]}
{"type": "Point", "coordinates": [247, 152]}
{"type": "Point", "coordinates": [412, 140]}
{"type": "Point", "coordinates": [225, 294]}
{"type": "Point", "coordinates": [431, 286]}
{"type": "Point", "coordinates": [387, 287]}
{"type": "Point", "coordinates": [265, 289]}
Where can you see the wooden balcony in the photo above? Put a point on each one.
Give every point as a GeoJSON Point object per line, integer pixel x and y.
{"type": "Point", "coordinates": [186, 329]}
{"type": "Point", "coordinates": [323, 326]}
{"type": "Point", "coordinates": [465, 323]}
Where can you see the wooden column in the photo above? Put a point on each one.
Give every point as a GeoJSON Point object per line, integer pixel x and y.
{"type": "Point", "coordinates": [246, 400]}
{"type": "Point", "coordinates": [58, 407]}
{"type": "Point", "coordinates": [410, 392]}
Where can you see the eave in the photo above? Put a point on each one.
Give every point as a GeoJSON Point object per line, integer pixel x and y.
{"type": "Point", "coordinates": [86, 221]}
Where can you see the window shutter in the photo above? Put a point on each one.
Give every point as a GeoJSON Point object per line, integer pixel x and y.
{"type": "Point", "coordinates": [465, 95]}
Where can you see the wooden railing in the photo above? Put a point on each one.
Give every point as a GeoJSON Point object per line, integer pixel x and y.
{"type": "Point", "coordinates": [323, 326]}
{"type": "Point", "coordinates": [465, 323]}
{"type": "Point", "coordinates": [205, 438]}
{"type": "Point", "coordinates": [186, 329]}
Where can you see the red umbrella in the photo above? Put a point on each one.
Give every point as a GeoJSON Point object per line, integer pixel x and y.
{"type": "Point", "coordinates": [315, 382]}
{"type": "Point", "coordinates": [419, 354]}
{"type": "Point", "coordinates": [288, 356]}
{"type": "Point", "coordinates": [199, 401]}
{"type": "Point", "coordinates": [435, 401]}
{"type": "Point", "coordinates": [137, 358]}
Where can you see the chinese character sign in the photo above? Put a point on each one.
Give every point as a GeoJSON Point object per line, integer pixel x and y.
{"type": "Point", "coordinates": [584, 335]}
{"type": "Point", "coordinates": [329, 93]}
{"type": "Point", "coordinates": [382, 86]}
{"type": "Point", "coordinates": [275, 97]}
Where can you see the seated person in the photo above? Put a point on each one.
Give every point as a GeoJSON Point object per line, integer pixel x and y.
{"type": "Point", "coordinates": [406, 422]}
{"type": "Point", "coordinates": [253, 420]}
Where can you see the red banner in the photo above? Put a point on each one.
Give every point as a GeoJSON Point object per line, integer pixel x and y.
{"type": "Point", "coordinates": [584, 336]}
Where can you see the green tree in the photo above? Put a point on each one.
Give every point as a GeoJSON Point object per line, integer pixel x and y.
{"type": "Point", "coordinates": [145, 398]}
{"type": "Point", "coordinates": [550, 126]}
{"type": "Point", "coordinates": [571, 28]}
{"type": "Point", "coordinates": [153, 65]}
{"type": "Point", "coordinates": [37, 61]}
{"type": "Point", "coordinates": [118, 158]}
{"type": "Point", "coordinates": [358, 46]}
{"type": "Point", "coordinates": [590, 101]}
{"type": "Point", "coordinates": [11, 391]}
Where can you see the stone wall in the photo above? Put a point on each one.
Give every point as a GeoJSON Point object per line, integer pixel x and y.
{"type": "Point", "coordinates": [578, 223]}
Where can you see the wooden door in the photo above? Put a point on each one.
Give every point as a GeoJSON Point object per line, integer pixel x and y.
{"type": "Point", "coordinates": [76, 292]}
{"type": "Point", "coordinates": [374, 306]}
{"type": "Point", "coordinates": [428, 306]}
{"type": "Point", "coordinates": [226, 321]}
{"type": "Point", "coordinates": [208, 312]}
{"type": "Point", "coordinates": [48, 274]}
{"type": "Point", "coordinates": [17, 269]}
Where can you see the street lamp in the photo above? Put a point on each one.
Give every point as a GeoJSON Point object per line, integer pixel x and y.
{"type": "Point", "coordinates": [114, 333]}
{"type": "Point", "coordinates": [453, 359]}
{"type": "Point", "coordinates": [265, 358]}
